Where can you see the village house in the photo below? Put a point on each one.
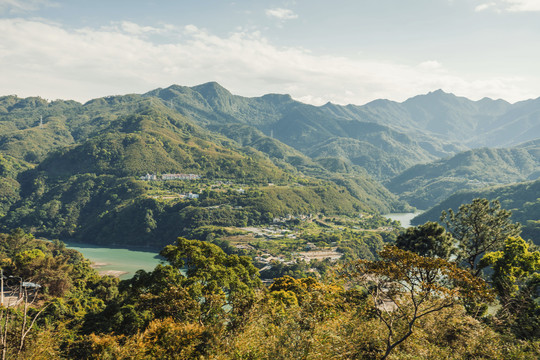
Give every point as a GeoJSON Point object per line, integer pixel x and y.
{"type": "Point", "coordinates": [180, 177]}
{"type": "Point", "coordinates": [148, 177]}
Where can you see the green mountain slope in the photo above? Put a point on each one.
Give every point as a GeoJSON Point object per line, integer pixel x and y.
{"type": "Point", "coordinates": [281, 154]}
{"type": "Point", "coordinates": [380, 156]}
{"type": "Point", "coordinates": [304, 127]}
{"type": "Point", "coordinates": [9, 186]}
{"type": "Point", "coordinates": [388, 136]}
{"type": "Point", "coordinates": [156, 141]}
{"type": "Point", "coordinates": [425, 185]}
{"type": "Point", "coordinates": [522, 199]}
{"type": "Point", "coordinates": [89, 191]}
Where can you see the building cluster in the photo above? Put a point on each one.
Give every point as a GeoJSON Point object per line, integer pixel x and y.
{"type": "Point", "coordinates": [180, 177]}
{"type": "Point", "coordinates": [151, 177]}
{"type": "Point", "coordinates": [290, 217]}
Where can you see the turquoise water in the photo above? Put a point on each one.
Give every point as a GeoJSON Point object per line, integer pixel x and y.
{"type": "Point", "coordinates": [403, 218]}
{"type": "Point", "coordinates": [127, 261]}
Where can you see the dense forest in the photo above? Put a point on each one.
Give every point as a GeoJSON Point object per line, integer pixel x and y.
{"type": "Point", "coordinates": [521, 199]}
{"type": "Point", "coordinates": [425, 295]}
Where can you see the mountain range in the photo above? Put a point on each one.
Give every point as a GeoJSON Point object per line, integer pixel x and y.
{"type": "Point", "coordinates": [384, 137]}
{"type": "Point", "coordinates": [423, 150]}
{"type": "Point", "coordinates": [425, 185]}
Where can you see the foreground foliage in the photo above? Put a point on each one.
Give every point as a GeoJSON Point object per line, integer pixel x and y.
{"type": "Point", "coordinates": [207, 304]}
{"type": "Point", "coordinates": [406, 287]}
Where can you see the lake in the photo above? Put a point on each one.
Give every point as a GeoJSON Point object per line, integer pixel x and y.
{"type": "Point", "coordinates": [125, 262]}
{"type": "Point", "coordinates": [115, 261]}
{"type": "Point", "coordinates": [404, 218]}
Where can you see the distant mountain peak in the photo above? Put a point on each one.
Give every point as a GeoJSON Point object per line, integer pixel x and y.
{"type": "Point", "coordinates": [439, 92]}
{"type": "Point", "coordinates": [277, 97]}
{"type": "Point", "coordinates": [211, 88]}
{"type": "Point", "coordinates": [329, 104]}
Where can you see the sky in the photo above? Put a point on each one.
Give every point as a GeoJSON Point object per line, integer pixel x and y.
{"type": "Point", "coordinates": [340, 51]}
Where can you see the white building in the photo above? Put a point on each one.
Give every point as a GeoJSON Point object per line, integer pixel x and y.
{"type": "Point", "coordinates": [180, 177]}
{"type": "Point", "coordinates": [148, 177]}
{"type": "Point", "coordinates": [192, 196]}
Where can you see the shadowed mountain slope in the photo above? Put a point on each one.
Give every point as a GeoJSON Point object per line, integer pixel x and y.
{"type": "Point", "coordinates": [522, 199]}
{"type": "Point", "coordinates": [425, 185]}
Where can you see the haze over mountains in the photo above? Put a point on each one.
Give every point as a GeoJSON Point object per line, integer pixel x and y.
{"type": "Point", "coordinates": [383, 136]}
{"type": "Point", "coordinates": [423, 150]}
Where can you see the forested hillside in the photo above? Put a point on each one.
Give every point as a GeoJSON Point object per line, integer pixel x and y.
{"type": "Point", "coordinates": [84, 183]}
{"type": "Point", "coordinates": [424, 186]}
{"type": "Point", "coordinates": [397, 135]}
{"type": "Point", "coordinates": [522, 199]}
{"type": "Point", "coordinates": [50, 147]}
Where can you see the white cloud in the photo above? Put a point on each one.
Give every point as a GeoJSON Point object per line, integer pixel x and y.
{"type": "Point", "coordinates": [38, 58]}
{"type": "Point", "coordinates": [281, 14]}
{"type": "Point", "coordinates": [486, 6]}
{"type": "Point", "coordinates": [20, 6]}
{"type": "Point", "coordinates": [523, 5]}
{"type": "Point", "coordinates": [135, 29]}
{"type": "Point", "coordinates": [510, 6]}
{"type": "Point", "coordinates": [430, 65]}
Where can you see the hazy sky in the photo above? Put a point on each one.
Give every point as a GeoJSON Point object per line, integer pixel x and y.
{"type": "Point", "coordinates": [343, 51]}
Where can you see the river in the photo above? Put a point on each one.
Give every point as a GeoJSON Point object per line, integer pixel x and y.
{"type": "Point", "coordinates": [125, 262]}
{"type": "Point", "coordinates": [116, 261]}
{"type": "Point", "coordinates": [404, 218]}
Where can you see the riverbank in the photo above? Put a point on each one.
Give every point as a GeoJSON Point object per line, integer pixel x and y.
{"type": "Point", "coordinates": [404, 218]}
{"type": "Point", "coordinates": [118, 262]}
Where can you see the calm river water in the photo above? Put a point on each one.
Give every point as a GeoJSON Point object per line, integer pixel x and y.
{"type": "Point", "coordinates": [404, 218]}
{"type": "Point", "coordinates": [115, 261]}
{"type": "Point", "coordinates": [125, 262]}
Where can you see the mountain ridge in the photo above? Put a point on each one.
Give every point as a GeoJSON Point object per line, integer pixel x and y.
{"type": "Point", "coordinates": [425, 185]}
{"type": "Point", "coordinates": [520, 198]}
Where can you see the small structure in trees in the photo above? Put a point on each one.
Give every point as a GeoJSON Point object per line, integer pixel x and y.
{"type": "Point", "coordinates": [24, 296]}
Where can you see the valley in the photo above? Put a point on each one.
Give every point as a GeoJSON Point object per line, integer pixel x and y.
{"type": "Point", "coordinates": [189, 211]}
{"type": "Point", "coordinates": [269, 180]}
{"type": "Point", "coordinates": [79, 174]}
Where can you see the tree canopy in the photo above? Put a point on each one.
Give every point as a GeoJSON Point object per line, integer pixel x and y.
{"type": "Point", "coordinates": [406, 287]}
{"type": "Point", "coordinates": [479, 227]}
{"type": "Point", "coordinates": [429, 239]}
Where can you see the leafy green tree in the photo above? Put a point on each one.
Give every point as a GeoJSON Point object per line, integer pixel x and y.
{"type": "Point", "coordinates": [516, 278]}
{"type": "Point", "coordinates": [167, 339]}
{"type": "Point", "coordinates": [16, 242]}
{"type": "Point", "coordinates": [214, 278]}
{"type": "Point", "coordinates": [406, 287]}
{"type": "Point", "coordinates": [512, 266]}
{"type": "Point", "coordinates": [479, 227]}
{"type": "Point", "coordinates": [306, 291]}
{"type": "Point", "coordinates": [430, 239]}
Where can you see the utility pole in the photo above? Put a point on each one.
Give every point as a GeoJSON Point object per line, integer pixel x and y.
{"type": "Point", "coordinates": [41, 122]}
{"type": "Point", "coordinates": [2, 287]}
